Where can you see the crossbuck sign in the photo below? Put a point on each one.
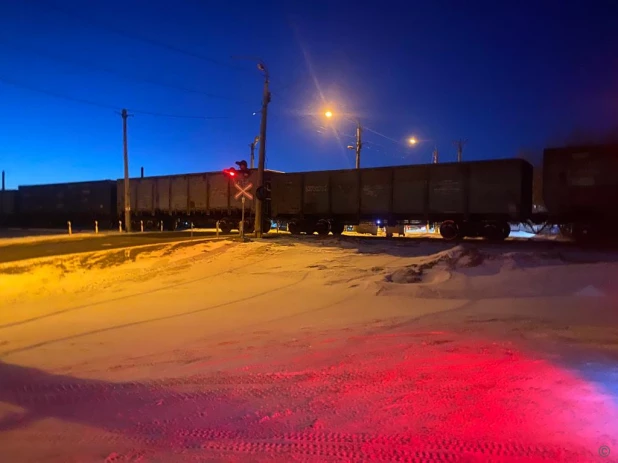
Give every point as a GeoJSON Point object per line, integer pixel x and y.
{"type": "Point", "coordinates": [243, 191]}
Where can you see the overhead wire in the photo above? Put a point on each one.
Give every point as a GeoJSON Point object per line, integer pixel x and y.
{"type": "Point", "coordinates": [18, 84]}
{"type": "Point", "coordinates": [135, 36]}
{"type": "Point", "coordinates": [95, 67]}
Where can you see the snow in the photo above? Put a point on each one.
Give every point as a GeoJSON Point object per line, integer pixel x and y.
{"type": "Point", "coordinates": [41, 236]}
{"type": "Point", "coordinates": [310, 350]}
{"type": "Point", "coordinates": [589, 291]}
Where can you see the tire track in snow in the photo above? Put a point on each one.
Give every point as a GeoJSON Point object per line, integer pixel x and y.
{"type": "Point", "coordinates": [346, 446]}
{"type": "Point", "coordinates": [128, 296]}
{"type": "Point", "coordinates": [151, 320]}
{"type": "Point", "coordinates": [172, 415]}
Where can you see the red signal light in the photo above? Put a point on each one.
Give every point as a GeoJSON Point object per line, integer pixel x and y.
{"type": "Point", "coordinates": [231, 172]}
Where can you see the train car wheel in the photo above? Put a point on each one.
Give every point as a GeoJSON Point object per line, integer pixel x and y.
{"type": "Point", "coordinates": [225, 227]}
{"type": "Point", "coordinates": [506, 230]}
{"type": "Point", "coordinates": [493, 232]}
{"type": "Point", "coordinates": [322, 227]}
{"type": "Point", "coordinates": [294, 228]}
{"type": "Point", "coordinates": [449, 230]}
{"type": "Point", "coordinates": [336, 228]}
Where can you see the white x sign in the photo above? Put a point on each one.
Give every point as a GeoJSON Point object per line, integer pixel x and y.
{"type": "Point", "coordinates": [243, 191]}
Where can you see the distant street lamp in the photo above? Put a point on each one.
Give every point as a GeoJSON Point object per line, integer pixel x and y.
{"type": "Point", "coordinates": [413, 141]}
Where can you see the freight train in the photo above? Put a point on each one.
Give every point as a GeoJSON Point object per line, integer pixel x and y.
{"type": "Point", "coordinates": [467, 199]}
{"type": "Point", "coordinates": [157, 203]}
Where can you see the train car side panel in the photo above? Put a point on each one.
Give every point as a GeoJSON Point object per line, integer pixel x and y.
{"type": "Point", "coordinates": [497, 188]}
{"type": "Point", "coordinates": [286, 195]}
{"type": "Point", "coordinates": [316, 197]}
{"type": "Point", "coordinates": [81, 203]}
{"type": "Point", "coordinates": [198, 193]}
{"type": "Point", "coordinates": [120, 196]}
{"type": "Point", "coordinates": [218, 193]}
{"type": "Point", "coordinates": [581, 183]}
{"type": "Point", "coordinates": [447, 189]}
{"type": "Point", "coordinates": [162, 189]}
{"type": "Point", "coordinates": [135, 192]}
{"type": "Point", "coordinates": [8, 201]}
{"type": "Point", "coordinates": [410, 191]}
{"type": "Point", "coordinates": [345, 192]}
{"type": "Point", "coordinates": [179, 194]}
{"type": "Point", "coordinates": [145, 200]}
{"type": "Point", "coordinates": [376, 191]}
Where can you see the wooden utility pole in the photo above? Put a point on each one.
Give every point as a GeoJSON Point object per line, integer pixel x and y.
{"type": "Point", "coordinates": [359, 143]}
{"type": "Point", "coordinates": [459, 144]}
{"type": "Point", "coordinates": [127, 187]}
{"type": "Point", "coordinates": [259, 210]}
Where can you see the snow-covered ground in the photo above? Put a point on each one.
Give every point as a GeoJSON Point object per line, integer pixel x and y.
{"type": "Point", "coordinates": [310, 350]}
{"type": "Point", "coordinates": [55, 235]}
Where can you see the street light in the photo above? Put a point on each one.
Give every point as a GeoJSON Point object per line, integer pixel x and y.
{"type": "Point", "coordinates": [359, 132]}
{"type": "Point", "coordinates": [412, 141]}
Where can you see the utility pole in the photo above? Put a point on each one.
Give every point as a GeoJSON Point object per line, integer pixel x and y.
{"type": "Point", "coordinates": [262, 151]}
{"type": "Point", "coordinates": [359, 143]}
{"type": "Point", "coordinates": [459, 144]}
{"type": "Point", "coordinates": [252, 146]}
{"type": "Point", "coordinates": [435, 155]}
{"type": "Point", "coordinates": [127, 187]}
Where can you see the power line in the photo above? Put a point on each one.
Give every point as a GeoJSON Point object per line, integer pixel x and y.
{"type": "Point", "coordinates": [135, 36]}
{"type": "Point", "coordinates": [102, 105]}
{"type": "Point", "coordinates": [382, 135]}
{"type": "Point", "coordinates": [85, 64]}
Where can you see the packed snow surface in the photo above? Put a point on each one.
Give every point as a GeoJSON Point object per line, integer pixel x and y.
{"type": "Point", "coordinates": [312, 350]}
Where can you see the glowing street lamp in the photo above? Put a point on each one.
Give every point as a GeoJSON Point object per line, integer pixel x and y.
{"type": "Point", "coordinates": [359, 131]}
{"type": "Point", "coordinates": [412, 141]}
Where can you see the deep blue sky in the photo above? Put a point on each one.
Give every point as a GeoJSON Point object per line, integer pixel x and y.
{"type": "Point", "coordinates": [505, 76]}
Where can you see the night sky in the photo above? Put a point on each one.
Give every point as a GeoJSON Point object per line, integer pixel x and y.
{"type": "Point", "coordinates": [507, 76]}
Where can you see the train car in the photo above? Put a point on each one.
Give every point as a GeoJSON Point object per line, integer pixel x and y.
{"type": "Point", "coordinates": [81, 203]}
{"type": "Point", "coordinates": [8, 200]}
{"type": "Point", "coordinates": [469, 198]}
{"type": "Point", "coordinates": [202, 199]}
{"type": "Point", "coordinates": [580, 189]}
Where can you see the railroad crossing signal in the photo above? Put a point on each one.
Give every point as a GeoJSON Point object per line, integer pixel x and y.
{"type": "Point", "coordinates": [243, 191]}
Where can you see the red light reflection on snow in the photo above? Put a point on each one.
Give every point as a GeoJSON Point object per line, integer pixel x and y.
{"type": "Point", "coordinates": [431, 386]}
{"type": "Point", "coordinates": [405, 397]}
